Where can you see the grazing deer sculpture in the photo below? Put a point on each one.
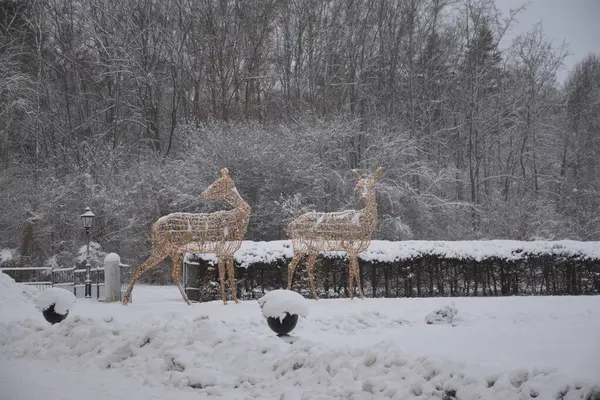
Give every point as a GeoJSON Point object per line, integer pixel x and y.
{"type": "Point", "coordinates": [348, 231]}
{"type": "Point", "coordinates": [220, 232]}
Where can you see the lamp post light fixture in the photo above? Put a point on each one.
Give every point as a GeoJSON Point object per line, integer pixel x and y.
{"type": "Point", "coordinates": [87, 217]}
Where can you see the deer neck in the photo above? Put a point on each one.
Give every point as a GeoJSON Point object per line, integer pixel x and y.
{"type": "Point", "coordinates": [234, 199]}
{"type": "Point", "coordinates": [370, 208]}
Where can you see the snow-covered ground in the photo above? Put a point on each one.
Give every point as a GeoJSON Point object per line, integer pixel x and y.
{"type": "Point", "coordinates": [160, 348]}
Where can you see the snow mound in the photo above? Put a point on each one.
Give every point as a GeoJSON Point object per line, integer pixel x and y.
{"type": "Point", "coordinates": [441, 316]}
{"type": "Point", "coordinates": [61, 298]}
{"type": "Point", "coordinates": [13, 293]}
{"type": "Point", "coordinates": [277, 303]}
{"type": "Point", "coordinates": [209, 358]}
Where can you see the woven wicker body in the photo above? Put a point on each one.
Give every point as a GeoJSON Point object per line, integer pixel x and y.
{"type": "Point", "coordinates": [349, 231]}
{"type": "Point", "coordinates": [220, 232]}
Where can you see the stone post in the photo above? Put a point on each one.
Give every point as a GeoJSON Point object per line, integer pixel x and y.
{"type": "Point", "coordinates": [112, 277]}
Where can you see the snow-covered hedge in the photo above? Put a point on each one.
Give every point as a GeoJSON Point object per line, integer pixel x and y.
{"type": "Point", "coordinates": [384, 251]}
{"type": "Point", "coordinates": [415, 268]}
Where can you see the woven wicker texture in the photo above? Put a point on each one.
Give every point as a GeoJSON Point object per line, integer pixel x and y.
{"type": "Point", "coordinates": [348, 231]}
{"type": "Point", "coordinates": [220, 232]}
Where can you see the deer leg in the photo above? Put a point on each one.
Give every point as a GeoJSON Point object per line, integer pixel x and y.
{"type": "Point", "coordinates": [350, 280]}
{"type": "Point", "coordinates": [231, 273]}
{"type": "Point", "coordinates": [221, 263]}
{"type": "Point", "coordinates": [312, 259]}
{"type": "Point", "coordinates": [177, 262]}
{"type": "Point", "coordinates": [155, 258]}
{"type": "Point", "coordinates": [292, 268]}
{"type": "Point", "coordinates": [356, 269]}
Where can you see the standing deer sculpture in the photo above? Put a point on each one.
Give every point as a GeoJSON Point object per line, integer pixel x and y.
{"type": "Point", "coordinates": [220, 232]}
{"type": "Point", "coordinates": [348, 231]}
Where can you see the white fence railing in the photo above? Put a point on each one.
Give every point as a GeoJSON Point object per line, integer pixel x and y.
{"type": "Point", "coordinates": [72, 278]}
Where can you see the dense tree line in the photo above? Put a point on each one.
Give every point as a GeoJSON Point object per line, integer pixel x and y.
{"type": "Point", "coordinates": [132, 107]}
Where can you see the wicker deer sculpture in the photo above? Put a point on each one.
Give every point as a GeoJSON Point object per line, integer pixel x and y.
{"type": "Point", "coordinates": [220, 232]}
{"type": "Point", "coordinates": [349, 231]}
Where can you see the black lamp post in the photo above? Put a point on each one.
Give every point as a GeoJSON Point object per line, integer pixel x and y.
{"type": "Point", "coordinates": [87, 217]}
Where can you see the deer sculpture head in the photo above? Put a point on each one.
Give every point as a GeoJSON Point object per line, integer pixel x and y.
{"type": "Point", "coordinates": [366, 186]}
{"type": "Point", "coordinates": [221, 189]}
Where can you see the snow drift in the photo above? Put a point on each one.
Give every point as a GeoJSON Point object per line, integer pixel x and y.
{"type": "Point", "coordinates": [14, 294]}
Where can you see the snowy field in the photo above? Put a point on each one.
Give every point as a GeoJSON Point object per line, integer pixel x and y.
{"type": "Point", "coordinates": [159, 348]}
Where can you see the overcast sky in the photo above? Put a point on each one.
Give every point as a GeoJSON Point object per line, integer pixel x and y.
{"type": "Point", "coordinates": [575, 21]}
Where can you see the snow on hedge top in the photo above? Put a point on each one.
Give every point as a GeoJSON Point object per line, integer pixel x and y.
{"type": "Point", "coordinates": [276, 303]}
{"type": "Point", "coordinates": [254, 252]}
{"type": "Point", "coordinates": [61, 298]}
{"type": "Point", "coordinates": [385, 251]}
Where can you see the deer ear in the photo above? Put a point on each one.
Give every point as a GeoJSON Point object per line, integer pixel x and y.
{"type": "Point", "coordinates": [225, 173]}
{"type": "Point", "coordinates": [378, 174]}
{"type": "Point", "coordinates": [356, 175]}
